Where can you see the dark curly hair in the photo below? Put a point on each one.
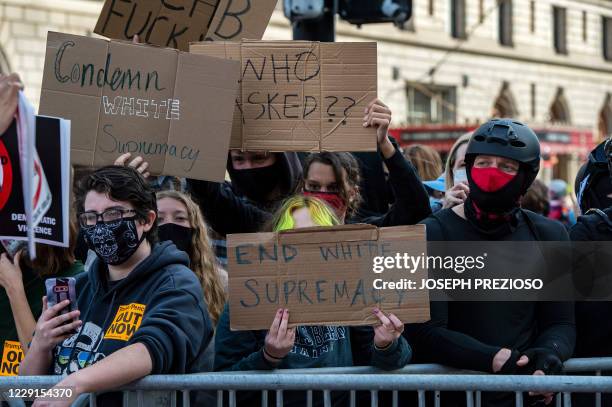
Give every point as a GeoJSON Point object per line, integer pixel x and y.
{"type": "Point", "coordinates": [120, 184]}
{"type": "Point", "coordinates": [346, 169]}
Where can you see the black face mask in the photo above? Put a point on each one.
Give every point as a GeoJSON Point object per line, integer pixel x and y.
{"type": "Point", "coordinates": [257, 183]}
{"type": "Point", "coordinates": [181, 236]}
{"type": "Point", "coordinates": [114, 242]}
{"type": "Point", "coordinates": [601, 190]}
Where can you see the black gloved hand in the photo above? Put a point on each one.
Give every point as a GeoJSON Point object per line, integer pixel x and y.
{"type": "Point", "coordinates": [543, 359]}
{"type": "Point", "coordinates": [510, 366]}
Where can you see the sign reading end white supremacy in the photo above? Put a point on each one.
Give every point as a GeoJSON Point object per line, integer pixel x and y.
{"type": "Point", "coordinates": [173, 108]}
{"type": "Point", "coordinates": [323, 275]}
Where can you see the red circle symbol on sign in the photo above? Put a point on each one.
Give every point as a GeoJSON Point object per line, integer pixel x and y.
{"type": "Point", "coordinates": [6, 177]}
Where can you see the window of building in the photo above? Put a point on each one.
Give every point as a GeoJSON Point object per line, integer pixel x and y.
{"type": "Point", "coordinates": [481, 11]}
{"type": "Point", "coordinates": [533, 101]}
{"type": "Point", "coordinates": [605, 118]}
{"type": "Point", "coordinates": [607, 38]}
{"type": "Point", "coordinates": [559, 109]}
{"type": "Point", "coordinates": [532, 12]}
{"type": "Point", "coordinates": [505, 23]}
{"type": "Point", "coordinates": [505, 104]}
{"type": "Point", "coordinates": [430, 104]}
{"type": "Point", "coordinates": [584, 26]}
{"type": "Point", "coordinates": [560, 29]}
{"type": "Point", "coordinates": [458, 19]}
{"type": "Point", "coordinates": [431, 8]}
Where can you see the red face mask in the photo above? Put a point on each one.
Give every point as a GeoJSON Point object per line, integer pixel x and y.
{"type": "Point", "coordinates": [490, 179]}
{"type": "Point", "coordinates": [333, 199]}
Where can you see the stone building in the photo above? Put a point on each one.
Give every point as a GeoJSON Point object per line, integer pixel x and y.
{"type": "Point", "coordinates": [456, 63]}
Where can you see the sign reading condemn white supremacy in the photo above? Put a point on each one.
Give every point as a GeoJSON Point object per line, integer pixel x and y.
{"type": "Point", "coordinates": [173, 108]}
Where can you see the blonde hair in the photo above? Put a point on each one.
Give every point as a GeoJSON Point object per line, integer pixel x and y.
{"type": "Point", "coordinates": [203, 261]}
{"type": "Point", "coordinates": [451, 159]}
{"type": "Point", "coordinates": [320, 213]}
{"type": "Point", "coordinates": [426, 160]}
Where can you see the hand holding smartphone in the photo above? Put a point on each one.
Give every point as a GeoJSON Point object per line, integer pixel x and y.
{"type": "Point", "coordinates": [60, 289]}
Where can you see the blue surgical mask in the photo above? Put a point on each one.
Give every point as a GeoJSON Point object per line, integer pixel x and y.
{"type": "Point", "coordinates": [435, 204]}
{"type": "Point", "coordinates": [459, 176]}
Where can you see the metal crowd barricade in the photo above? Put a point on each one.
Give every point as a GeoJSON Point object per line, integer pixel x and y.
{"type": "Point", "coordinates": [152, 390]}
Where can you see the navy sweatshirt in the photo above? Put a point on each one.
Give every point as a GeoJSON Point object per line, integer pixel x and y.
{"type": "Point", "coordinates": [159, 304]}
{"type": "Point", "coordinates": [315, 346]}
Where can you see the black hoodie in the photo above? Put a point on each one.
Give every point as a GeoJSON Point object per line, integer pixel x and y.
{"type": "Point", "coordinates": [159, 304]}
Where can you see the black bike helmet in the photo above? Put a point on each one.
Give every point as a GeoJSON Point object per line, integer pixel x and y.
{"type": "Point", "coordinates": [509, 139]}
{"type": "Point", "coordinates": [598, 164]}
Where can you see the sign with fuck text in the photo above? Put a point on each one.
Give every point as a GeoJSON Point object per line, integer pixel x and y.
{"type": "Point", "coordinates": [324, 276]}
{"type": "Point", "coordinates": [172, 108]}
{"type": "Point", "coordinates": [176, 23]}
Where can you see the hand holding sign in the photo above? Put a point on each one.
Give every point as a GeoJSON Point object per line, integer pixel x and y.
{"type": "Point", "coordinates": [10, 274]}
{"type": "Point", "coordinates": [10, 85]}
{"type": "Point", "coordinates": [378, 115]}
{"type": "Point", "coordinates": [280, 339]}
{"type": "Point", "coordinates": [138, 163]}
{"type": "Point", "coordinates": [388, 331]}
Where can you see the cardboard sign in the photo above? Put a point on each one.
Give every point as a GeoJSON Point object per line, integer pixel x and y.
{"type": "Point", "coordinates": [300, 95]}
{"type": "Point", "coordinates": [176, 23]}
{"type": "Point", "coordinates": [12, 355]}
{"type": "Point", "coordinates": [172, 108]}
{"type": "Point", "coordinates": [52, 166]}
{"type": "Point", "coordinates": [324, 276]}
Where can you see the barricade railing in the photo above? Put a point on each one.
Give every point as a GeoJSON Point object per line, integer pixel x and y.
{"type": "Point", "coordinates": [422, 379]}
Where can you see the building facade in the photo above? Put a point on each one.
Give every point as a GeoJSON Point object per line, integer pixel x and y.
{"type": "Point", "coordinates": [457, 63]}
{"type": "Point", "coordinates": [460, 62]}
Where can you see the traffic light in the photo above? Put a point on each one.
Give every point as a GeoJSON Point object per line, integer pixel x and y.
{"type": "Point", "coordinates": [375, 11]}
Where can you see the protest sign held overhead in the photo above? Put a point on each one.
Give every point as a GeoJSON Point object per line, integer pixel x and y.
{"type": "Point", "coordinates": [300, 95]}
{"type": "Point", "coordinates": [50, 190]}
{"type": "Point", "coordinates": [176, 23]}
{"type": "Point", "coordinates": [172, 108]}
{"type": "Point", "coordinates": [323, 275]}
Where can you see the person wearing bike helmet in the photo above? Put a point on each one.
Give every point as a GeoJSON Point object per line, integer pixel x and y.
{"type": "Point", "coordinates": [502, 160]}
{"type": "Point", "coordinates": [594, 259]}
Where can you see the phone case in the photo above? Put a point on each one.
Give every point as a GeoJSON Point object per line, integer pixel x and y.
{"type": "Point", "coordinates": [60, 289]}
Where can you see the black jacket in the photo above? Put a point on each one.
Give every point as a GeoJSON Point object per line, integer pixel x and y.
{"type": "Point", "coordinates": [593, 338]}
{"type": "Point", "coordinates": [467, 335]}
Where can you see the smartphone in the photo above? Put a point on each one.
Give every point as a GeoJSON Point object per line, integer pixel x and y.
{"type": "Point", "coordinates": [60, 289]}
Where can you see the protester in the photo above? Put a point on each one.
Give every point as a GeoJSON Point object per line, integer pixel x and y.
{"type": "Point", "coordinates": [454, 173]}
{"type": "Point", "coordinates": [559, 208]}
{"type": "Point", "coordinates": [260, 181]}
{"type": "Point", "coordinates": [502, 160]}
{"type": "Point", "coordinates": [594, 338]}
{"type": "Point", "coordinates": [335, 178]}
{"type": "Point", "coordinates": [536, 198]}
{"type": "Point", "coordinates": [592, 187]}
{"type": "Point", "coordinates": [426, 160]}
{"type": "Point", "coordinates": [23, 281]}
{"type": "Point", "coordinates": [436, 189]}
{"type": "Point", "coordinates": [382, 347]}
{"type": "Point", "coordinates": [181, 222]}
{"type": "Point", "coordinates": [143, 287]}
{"type": "Point", "coordinates": [10, 85]}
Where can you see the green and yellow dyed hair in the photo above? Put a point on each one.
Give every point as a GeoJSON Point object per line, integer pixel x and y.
{"type": "Point", "coordinates": [320, 213]}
